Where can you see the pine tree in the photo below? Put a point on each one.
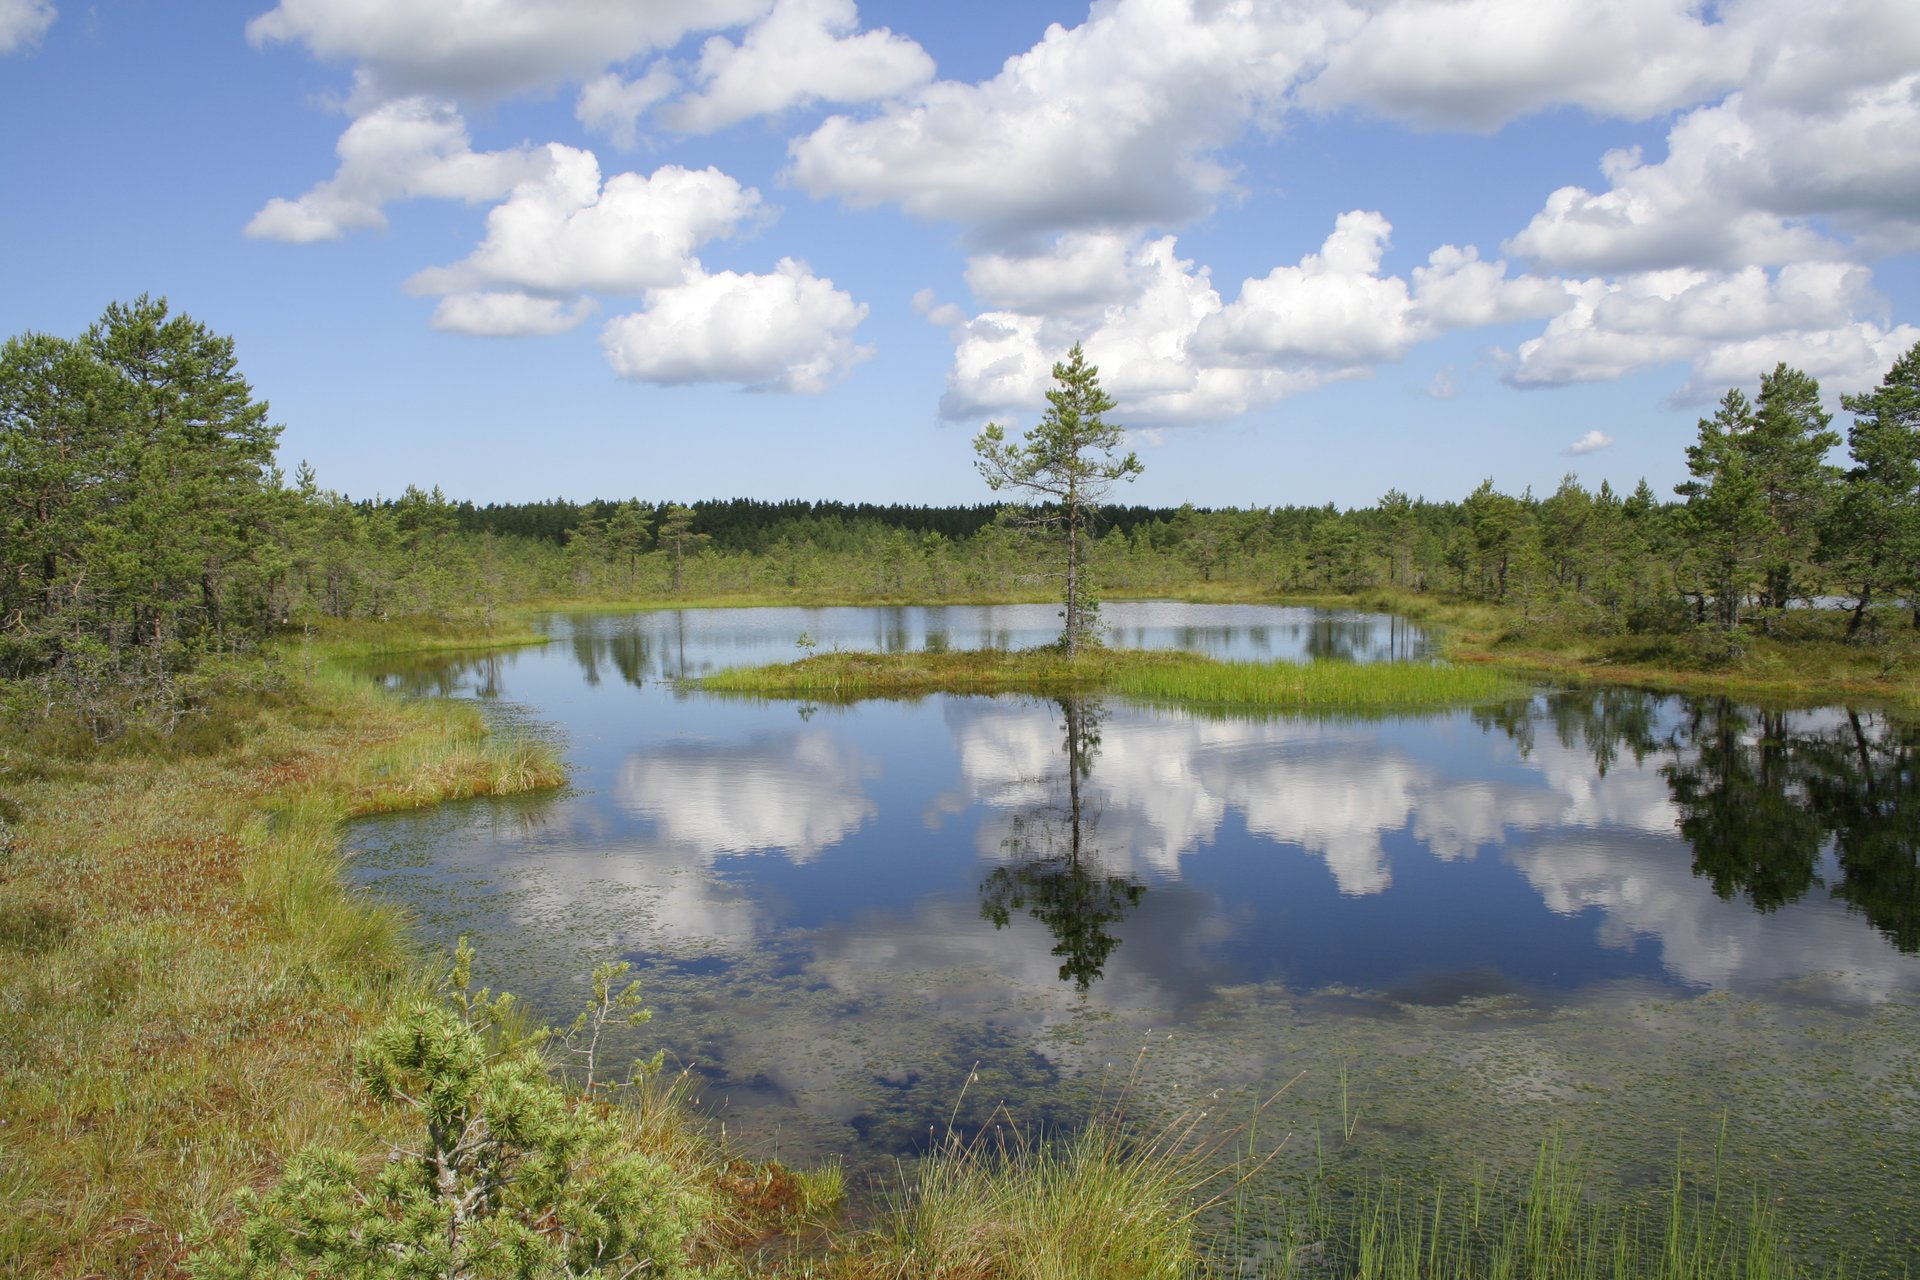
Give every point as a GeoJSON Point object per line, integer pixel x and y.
{"type": "Point", "coordinates": [1067, 464]}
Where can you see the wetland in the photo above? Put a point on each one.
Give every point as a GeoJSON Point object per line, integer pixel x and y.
{"type": "Point", "coordinates": [1657, 928]}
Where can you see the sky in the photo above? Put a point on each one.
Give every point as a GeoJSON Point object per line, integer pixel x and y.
{"type": "Point", "coordinates": [678, 249]}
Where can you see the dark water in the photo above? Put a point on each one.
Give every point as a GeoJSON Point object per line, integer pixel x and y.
{"type": "Point", "coordinates": [1650, 924]}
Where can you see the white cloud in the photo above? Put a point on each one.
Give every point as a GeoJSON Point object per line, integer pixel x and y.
{"type": "Point", "coordinates": [613, 106]}
{"type": "Point", "coordinates": [23, 22]}
{"type": "Point", "coordinates": [403, 150]}
{"type": "Point", "coordinates": [788, 331]}
{"type": "Point", "coordinates": [488, 49]}
{"type": "Point", "coordinates": [1176, 352]}
{"type": "Point", "coordinates": [1478, 64]}
{"type": "Point", "coordinates": [1739, 184]}
{"type": "Point", "coordinates": [1333, 307]}
{"type": "Point", "coordinates": [1078, 270]}
{"type": "Point", "coordinates": [1110, 125]}
{"type": "Point", "coordinates": [1457, 289]}
{"type": "Point", "coordinates": [803, 51]}
{"type": "Point", "coordinates": [508, 315]}
{"type": "Point", "coordinates": [944, 314]}
{"type": "Point", "coordinates": [1728, 325]}
{"type": "Point", "coordinates": [1592, 442]}
{"type": "Point", "coordinates": [1145, 346]}
{"type": "Point", "coordinates": [564, 232]}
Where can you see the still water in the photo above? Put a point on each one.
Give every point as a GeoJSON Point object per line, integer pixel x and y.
{"type": "Point", "coordinates": [1663, 929]}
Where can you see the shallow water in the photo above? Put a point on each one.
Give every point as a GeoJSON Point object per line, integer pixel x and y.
{"type": "Point", "coordinates": [1649, 924]}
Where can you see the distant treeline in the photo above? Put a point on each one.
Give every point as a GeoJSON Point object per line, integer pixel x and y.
{"type": "Point", "coordinates": [751, 524]}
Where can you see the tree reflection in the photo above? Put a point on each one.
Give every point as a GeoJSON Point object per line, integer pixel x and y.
{"type": "Point", "coordinates": [1739, 778]}
{"type": "Point", "coordinates": [630, 653]}
{"type": "Point", "coordinates": [1865, 784]}
{"type": "Point", "coordinates": [1055, 874]}
{"type": "Point", "coordinates": [1763, 794]}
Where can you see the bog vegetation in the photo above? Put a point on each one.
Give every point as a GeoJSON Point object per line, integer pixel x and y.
{"type": "Point", "coordinates": [194, 1007]}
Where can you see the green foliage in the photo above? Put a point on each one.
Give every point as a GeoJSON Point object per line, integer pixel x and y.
{"type": "Point", "coordinates": [1546, 1225]}
{"type": "Point", "coordinates": [137, 498]}
{"type": "Point", "coordinates": [1066, 465]}
{"type": "Point", "coordinates": [512, 1176]}
{"type": "Point", "coordinates": [1871, 543]}
{"type": "Point", "coordinates": [1760, 492]}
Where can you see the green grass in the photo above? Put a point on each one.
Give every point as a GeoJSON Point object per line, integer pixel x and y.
{"type": "Point", "coordinates": [183, 972]}
{"type": "Point", "coordinates": [343, 639]}
{"type": "Point", "coordinates": [1183, 678]}
{"type": "Point", "coordinates": [1548, 1224]}
{"type": "Point", "coordinates": [1099, 1202]}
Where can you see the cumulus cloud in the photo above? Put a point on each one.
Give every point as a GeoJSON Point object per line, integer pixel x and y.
{"type": "Point", "coordinates": [1477, 64]}
{"type": "Point", "coordinates": [1592, 442]}
{"type": "Point", "coordinates": [566, 232]}
{"type": "Point", "coordinates": [1333, 307]}
{"type": "Point", "coordinates": [23, 22]}
{"type": "Point", "coordinates": [787, 331]}
{"type": "Point", "coordinates": [613, 106]}
{"type": "Point", "coordinates": [488, 49]}
{"type": "Point", "coordinates": [804, 51]}
{"type": "Point", "coordinates": [1728, 325]}
{"type": "Point", "coordinates": [403, 150]}
{"type": "Point", "coordinates": [1077, 271]}
{"type": "Point", "coordinates": [1113, 124]}
{"type": "Point", "coordinates": [508, 315]}
{"type": "Point", "coordinates": [1178, 352]}
{"type": "Point", "coordinates": [1737, 188]}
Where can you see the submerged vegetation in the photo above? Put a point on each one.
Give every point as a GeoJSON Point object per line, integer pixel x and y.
{"type": "Point", "coordinates": [1151, 676]}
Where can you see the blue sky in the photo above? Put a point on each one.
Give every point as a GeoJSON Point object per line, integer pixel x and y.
{"type": "Point", "coordinates": [805, 248]}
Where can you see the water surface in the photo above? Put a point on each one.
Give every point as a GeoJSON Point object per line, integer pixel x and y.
{"type": "Point", "coordinates": [1625, 917]}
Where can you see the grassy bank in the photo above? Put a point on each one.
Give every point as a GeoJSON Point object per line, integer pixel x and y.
{"type": "Point", "coordinates": [182, 972]}
{"type": "Point", "coordinates": [1183, 678]}
{"type": "Point", "coordinates": [1802, 656]}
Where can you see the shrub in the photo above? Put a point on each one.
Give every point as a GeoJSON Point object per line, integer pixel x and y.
{"type": "Point", "coordinates": [514, 1177]}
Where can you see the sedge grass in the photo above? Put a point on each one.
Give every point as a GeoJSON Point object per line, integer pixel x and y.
{"type": "Point", "coordinates": [1096, 1203]}
{"type": "Point", "coordinates": [1549, 1224]}
{"type": "Point", "coordinates": [1154, 676]}
{"type": "Point", "coordinates": [183, 974]}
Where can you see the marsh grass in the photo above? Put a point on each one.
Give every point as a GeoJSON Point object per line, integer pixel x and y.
{"type": "Point", "coordinates": [183, 975]}
{"type": "Point", "coordinates": [1549, 1224]}
{"type": "Point", "coordinates": [1154, 676]}
{"type": "Point", "coordinates": [1098, 1202]}
{"type": "Point", "coordinates": [345, 639]}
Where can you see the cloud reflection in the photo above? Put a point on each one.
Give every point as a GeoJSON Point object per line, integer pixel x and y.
{"type": "Point", "coordinates": [795, 794]}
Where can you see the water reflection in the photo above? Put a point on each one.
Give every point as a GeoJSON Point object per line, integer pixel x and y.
{"type": "Point", "coordinates": [794, 793]}
{"type": "Point", "coordinates": [677, 643]}
{"type": "Point", "coordinates": [1054, 872]}
{"type": "Point", "coordinates": [844, 913]}
{"type": "Point", "coordinates": [1745, 845]}
{"type": "Point", "coordinates": [1768, 800]}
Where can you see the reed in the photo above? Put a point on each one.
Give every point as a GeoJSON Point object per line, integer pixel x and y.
{"type": "Point", "coordinates": [1549, 1224]}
